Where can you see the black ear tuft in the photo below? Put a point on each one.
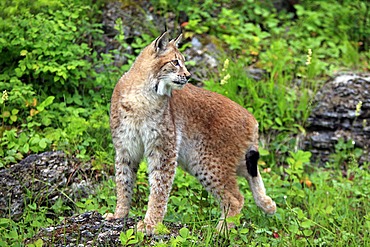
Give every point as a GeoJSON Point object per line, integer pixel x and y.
{"type": "Point", "coordinates": [177, 40]}
{"type": "Point", "coordinates": [160, 43]}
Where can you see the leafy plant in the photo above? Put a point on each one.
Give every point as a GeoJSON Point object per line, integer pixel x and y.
{"type": "Point", "coordinates": [185, 238]}
{"type": "Point", "coordinates": [346, 154]}
{"type": "Point", "coordinates": [14, 144]}
{"type": "Point", "coordinates": [13, 233]}
{"type": "Point", "coordinates": [128, 238]}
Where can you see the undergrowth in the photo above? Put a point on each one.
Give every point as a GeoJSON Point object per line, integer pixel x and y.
{"type": "Point", "coordinates": [56, 80]}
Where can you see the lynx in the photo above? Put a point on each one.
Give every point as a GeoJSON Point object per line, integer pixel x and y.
{"type": "Point", "coordinates": [155, 113]}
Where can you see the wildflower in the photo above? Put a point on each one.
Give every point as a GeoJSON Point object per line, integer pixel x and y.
{"type": "Point", "coordinates": [309, 57]}
{"type": "Point", "coordinates": [225, 79]}
{"type": "Point", "coordinates": [358, 108]}
{"type": "Point", "coordinates": [226, 65]}
{"type": "Point", "coordinates": [268, 170]}
{"type": "Point", "coordinates": [5, 96]}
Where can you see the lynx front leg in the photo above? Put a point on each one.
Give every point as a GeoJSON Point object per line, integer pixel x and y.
{"type": "Point", "coordinates": [125, 181]}
{"type": "Point", "coordinates": [162, 167]}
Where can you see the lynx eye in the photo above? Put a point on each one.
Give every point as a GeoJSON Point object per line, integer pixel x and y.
{"type": "Point", "coordinates": [175, 63]}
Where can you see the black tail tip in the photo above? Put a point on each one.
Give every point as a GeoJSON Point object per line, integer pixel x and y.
{"type": "Point", "coordinates": [252, 159]}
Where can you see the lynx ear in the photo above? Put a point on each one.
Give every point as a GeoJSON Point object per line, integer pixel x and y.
{"type": "Point", "coordinates": [177, 40]}
{"type": "Point", "coordinates": [160, 43]}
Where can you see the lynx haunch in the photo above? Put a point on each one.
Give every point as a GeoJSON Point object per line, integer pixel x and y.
{"type": "Point", "coordinates": [156, 114]}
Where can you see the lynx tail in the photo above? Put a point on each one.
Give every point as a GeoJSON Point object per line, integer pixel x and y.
{"type": "Point", "coordinates": [252, 159]}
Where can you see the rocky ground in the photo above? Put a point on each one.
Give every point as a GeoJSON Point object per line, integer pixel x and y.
{"type": "Point", "coordinates": [49, 176]}
{"type": "Point", "coordinates": [52, 176]}
{"type": "Point", "coordinates": [91, 229]}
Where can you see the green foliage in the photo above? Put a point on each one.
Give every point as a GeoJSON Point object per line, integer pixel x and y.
{"type": "Point", "coordinates": [128, 238]}
{"type": "Point", "coordinates": [346, 154]}
{"type": "Point", "coordinates": [48, 57]}
{"type": "Point", "coordinates": [103, 201]}
{"type": "Point", "coordinates": [37, 243]}
{"type": "Point", "coordinates": [47, 49]}
{"type": "Point", "coordinates": [10, 8]}
{"type": "Point", "coordinates": [161, 229]}
{"type": "Point", "coordinates": [185, 238]}
{"type": "Point", "coordinates": [14, 232]}
{"type": "Point", "coordinates": [20, 110]}
{"type": "Point", "coordinates": [296, 164]}
{"type": "Point", "coordinates": [331, 29]}
{"type": "Point", "coordinates": [138, 44]}
{"type": "Point", "coordinates": [331, 22]}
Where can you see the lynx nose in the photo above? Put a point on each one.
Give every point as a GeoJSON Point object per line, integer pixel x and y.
{"type": "Point", "coordinates": [187, 75]}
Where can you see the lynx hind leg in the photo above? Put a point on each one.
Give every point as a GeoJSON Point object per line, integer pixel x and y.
{"type": "Point", "coordinates": [125, 182]}
{"type": "Point", "coordinates": [248, 168]}
{"type": "Point", "coordinates": [223, 185]}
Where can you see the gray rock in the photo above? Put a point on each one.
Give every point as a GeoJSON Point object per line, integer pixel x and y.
{"type": "Point", "coordinates": [256, 73]}
{"type": "Point", "coordinates": [91, 229]}
{"type": "Point", "coordinates": [195, 43]}
{"type": "Point", "coordinates": [334, 116]}
{"type": "Point", "coordinates": [205, 57]}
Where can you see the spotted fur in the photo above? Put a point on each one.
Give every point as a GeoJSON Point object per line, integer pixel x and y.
{"type": "Point", "coordinates": [156, 114]}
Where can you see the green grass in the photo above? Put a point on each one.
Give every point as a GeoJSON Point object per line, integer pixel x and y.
{"type": "Point", "coordinates": [56, 99]}
{"type": "Point", "coordinates": [329, 209]}
{"type": "Point", "coordinates": [334, 209]}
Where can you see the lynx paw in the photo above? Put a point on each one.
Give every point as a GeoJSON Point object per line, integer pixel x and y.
{"type": "Point", "coordinates": [116, 215]}
{"type": "Point", "coordinates": [145, 228]}
{"type": "Point", "coordinates": [109, 216]}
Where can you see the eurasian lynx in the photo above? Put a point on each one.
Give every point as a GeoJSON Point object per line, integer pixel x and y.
{"type": "Point", "coordinates": [156, 114]}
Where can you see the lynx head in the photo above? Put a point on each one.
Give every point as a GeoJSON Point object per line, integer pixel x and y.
{"type": "Point", "coordinates": [169, 65]}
